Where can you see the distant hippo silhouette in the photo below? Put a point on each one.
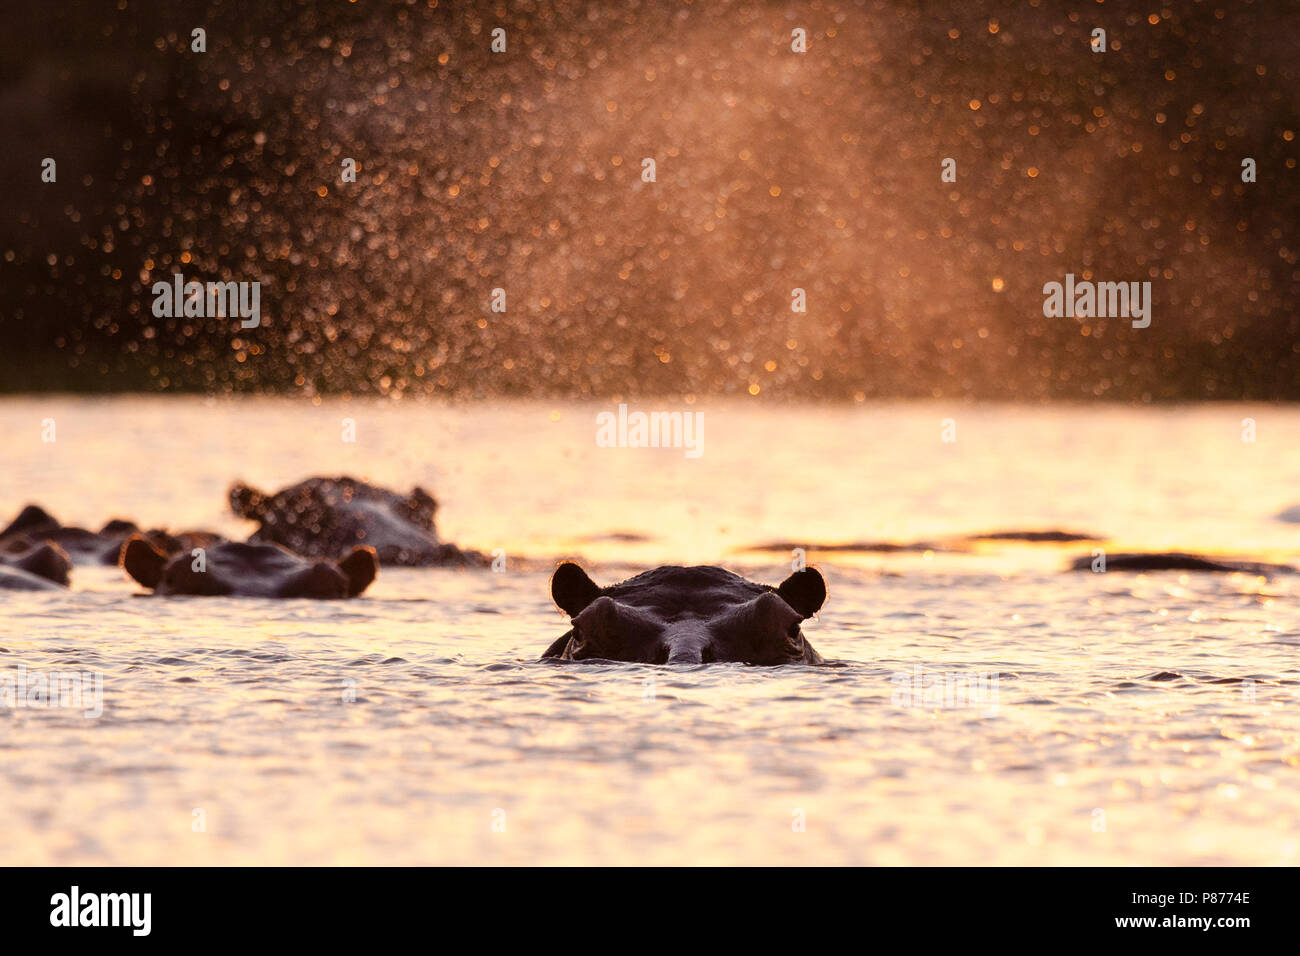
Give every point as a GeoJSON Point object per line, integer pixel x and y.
{"type": "Point", "coordinates": [97, 547]}
{"type": "Point", "coordinates": [29, 565]}
{"type": "Point", "coordinates": [674, 615]}
{"type": "Point", "coordinates": [248, 570]}
{"type": "Point", "coordinates": [324, 517]}
{"type": "Point", "coordinates": [1178, 561]}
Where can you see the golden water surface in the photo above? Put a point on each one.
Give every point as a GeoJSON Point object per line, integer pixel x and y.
{"type": "Point", "coordinates": [1135, 718]}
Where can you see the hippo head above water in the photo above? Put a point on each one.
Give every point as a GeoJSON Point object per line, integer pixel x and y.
{"type": "Point", "coordinates": [325, 517]}
{"type": "Point", "coordinates": [675, 615]}
{"type": "Point", "coordinates": [248, 570]}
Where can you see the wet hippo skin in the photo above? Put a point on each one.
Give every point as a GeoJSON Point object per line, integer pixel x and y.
{"type": "Point", "coordinates": [676, 615]}
{"type": "Point", "coordinates": [231, 568]}
{"type": "Point", "coordinates": [325, 517]}
{"type": "Point", "coordinates": [30, 565]}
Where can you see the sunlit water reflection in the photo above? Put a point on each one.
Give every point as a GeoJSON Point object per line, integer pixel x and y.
{"type": "Point", "coordinates": [1146, 719]}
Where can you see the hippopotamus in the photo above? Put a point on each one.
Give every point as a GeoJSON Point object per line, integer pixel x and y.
{"type": "Point", "coordinates": [324, 517]}
{"type": "Point", "coordinates": [248, 570]}
{"type": "Point", "coordinates": [97, 547]}
{"type": "Point", "coordinates": [676, 615]}
{"type": "Point", "coordinates": [29, 565]}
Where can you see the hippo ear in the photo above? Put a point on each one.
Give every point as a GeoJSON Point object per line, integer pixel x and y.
{"type": "Point", "coordinates": [143, 561]}
{"type": "Point", "coordinates": [805, 591]}
{"type": "Point", "coordinates": [47, 561]}
{"type": "Point", "coordinates": [571, 589]}
{"type": "Point", "coordinates": [246, 501]}
{"type": "Point", "coordinates": [32, 520]}
{"type": "Point", "coordinates": [360, 568]}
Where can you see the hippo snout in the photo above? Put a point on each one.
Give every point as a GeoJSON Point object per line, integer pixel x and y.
{"type": "Point", "coordinates": [688, 644]}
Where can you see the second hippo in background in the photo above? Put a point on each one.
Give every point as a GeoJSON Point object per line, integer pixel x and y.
{"type": "Point", "coordinates": [327, 517]}
{"type": "Point", "coordinates": [230, 568]}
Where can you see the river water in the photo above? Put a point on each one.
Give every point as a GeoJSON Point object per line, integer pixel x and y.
{"type": "Point", "coordinates": [1079, 718]}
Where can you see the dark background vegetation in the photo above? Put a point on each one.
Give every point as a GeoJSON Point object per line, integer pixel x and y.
{"type": "Point", "coordinates": [775, 171]}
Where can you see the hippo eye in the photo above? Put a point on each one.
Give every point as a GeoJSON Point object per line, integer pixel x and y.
{"type": "Point", "coordinates": [583, 644]}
